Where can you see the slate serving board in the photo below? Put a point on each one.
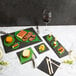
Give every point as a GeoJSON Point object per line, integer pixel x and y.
{"type": "Point", "coordinates": [37, 48]}
{"type": "Point", "coordinates": [55, 49]}
{"type": "Point", "coordinates": [43, 66]}
{"type": "Point", "coordinates": [22, 44]}
{"type": "Point", "coordinates": [25, 60]}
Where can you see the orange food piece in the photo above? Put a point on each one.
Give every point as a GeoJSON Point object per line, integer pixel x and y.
{"type": "Point", "coordinates": [9, 39]}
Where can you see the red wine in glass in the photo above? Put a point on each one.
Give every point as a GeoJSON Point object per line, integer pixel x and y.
{"type": "Point", "coordinates": [46, 16]}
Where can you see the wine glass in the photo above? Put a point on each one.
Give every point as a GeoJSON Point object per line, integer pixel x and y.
{"type": "Point", "coordinates": [47, 15]}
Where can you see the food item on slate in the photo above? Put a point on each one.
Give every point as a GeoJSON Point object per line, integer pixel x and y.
{"type": "Point", "coordinates": [21, 34]}
{"type": "Point", "coordinates": [26, 53]}
{"type": "Point", "coordinates": [61, 50]}
{"type": "Point", "coordinates": [34, 36]}
{"type": "Point", "coordinates": [30, 39]}
{"type": "Point", "coordinates": [9, 39]}
{"type": "Point", "coordinates": [25, 38]}
{"type": "Point", "coordinates": [50, 35]}
{"type": "Point", "coordinates": [30, 33]}
{"type": "Point", "coordinates": [55, 43]}
{"type": "Point", "coordinates": [16, 45]}
{"type": "Point", "coordinates": [42, 47]}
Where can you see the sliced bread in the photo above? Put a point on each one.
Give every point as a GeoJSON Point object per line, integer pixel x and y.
{"type": "Point", "coordinates": [26, 53]}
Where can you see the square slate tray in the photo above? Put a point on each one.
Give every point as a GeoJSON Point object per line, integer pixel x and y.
{"type": "Point", "coordinates": [19, 54]}
{"type": "Point", "coordinates": [43, 66]}
{"type": "Point", "coordinates": [22, 44]}
{"type": "Point", "coordinates": [37, 48]}
{"type": "Point", "coordinates": [55, 49]}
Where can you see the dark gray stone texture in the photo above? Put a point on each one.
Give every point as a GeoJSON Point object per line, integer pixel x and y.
{"type": "Point", "coordinates": [29, 12]}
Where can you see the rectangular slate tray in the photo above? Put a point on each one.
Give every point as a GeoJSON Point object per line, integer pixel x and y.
{"type": "Point", "coordinates": [22, 44]}
{"type": "Point", "coordinates": [55, 49]}
{"type": "Point", "coordinates": [43, 66]}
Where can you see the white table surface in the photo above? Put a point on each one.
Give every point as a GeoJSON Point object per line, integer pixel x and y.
{"type": "Point", "coordinates": [67, 37]}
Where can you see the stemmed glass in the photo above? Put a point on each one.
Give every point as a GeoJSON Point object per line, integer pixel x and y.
{"type": "Point", "coordinates": [47, 15]}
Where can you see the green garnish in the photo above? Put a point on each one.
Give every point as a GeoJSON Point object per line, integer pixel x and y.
{"type": "Point", "coordinates": [3, 63]}
{"type": "Point", "coordinates": [68, 61]}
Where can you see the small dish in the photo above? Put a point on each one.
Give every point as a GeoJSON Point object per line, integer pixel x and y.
{"type": "Point", "coordinates": [41, 51]}
{"type": "Point", "coordinates": [23, 59]}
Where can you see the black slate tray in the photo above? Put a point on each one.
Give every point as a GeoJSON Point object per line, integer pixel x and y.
{"type": "Point", "coordinates": [43, 66]}
{"type": "Point", "coordinates": [19, 54]}
{"type": "Point", "coordinates": [36, 47]}
{"type": "Point", "coordinates": [55, 49]}
{"type": "Point", "coordinates": [22, 44]}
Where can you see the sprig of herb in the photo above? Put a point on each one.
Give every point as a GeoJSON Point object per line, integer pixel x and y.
{"type": "Point", "coordinates": [3, 63]}
{"type": "Point", "coordinates": [68, 61]}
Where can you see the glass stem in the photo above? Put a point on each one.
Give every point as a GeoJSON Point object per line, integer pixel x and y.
{"type": "Point", "coordinates": [46, 26]}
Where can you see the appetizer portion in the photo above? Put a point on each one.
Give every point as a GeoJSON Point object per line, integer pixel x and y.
{"type": "Point", "coordinates": [61, 50]}
{"type": "Point", "coordinates": [33, 36]}
{"type": "Point", "coordinates": [54, 44]}
{"type": "Point", "coordinates": [42, 47]}
{"type": "Point", "coordinates": [21, 34]}
{"type": "Point", "coordinates": [26, 53]}
{"type": "Point", "coordinates": [25, 38]}
{"type": "Point", "coordinates": [15, 46]}
{"type": "Point", "coordinates": [25, 35]}
{"type": "Point", "coordinates": [49, 37]}
{"type": "Point", "coordinates": [31, 39]}
{"type": "Point", "coordinates": [9, 39]}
